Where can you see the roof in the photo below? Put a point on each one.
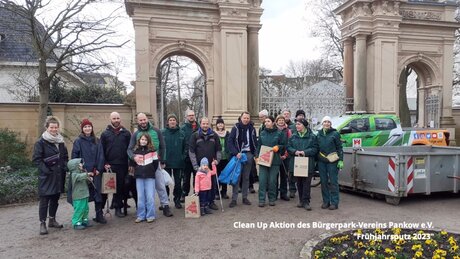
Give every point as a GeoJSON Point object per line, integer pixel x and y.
{"type": "Point", "coordinates": [16, 44]}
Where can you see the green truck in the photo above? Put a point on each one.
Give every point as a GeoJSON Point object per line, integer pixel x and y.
{"type": "Point", "coordinates": [364, 130]}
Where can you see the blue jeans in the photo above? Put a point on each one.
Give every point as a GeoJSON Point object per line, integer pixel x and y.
{"type": "Point", "coordinates": [145, 198]}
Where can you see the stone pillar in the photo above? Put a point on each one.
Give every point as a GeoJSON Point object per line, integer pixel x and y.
{"type": "Point", "coordinates": [253, 70]}
{"type": "Point", "coordinates": [421, 107]}
{"type": "Point", "coordinates": [360, 73]}
{"type": "Point", "coordinates": [348, 69]}
{"type": "Point", "coordinates": [145, 101]}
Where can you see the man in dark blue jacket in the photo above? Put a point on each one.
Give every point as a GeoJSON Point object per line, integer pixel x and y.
{"type": "Point", "coordinates": [205, 143]}
{"type": "Point", "coordinates": [243, 139]}
{"type": "Point", "coordinates": [115, 141]}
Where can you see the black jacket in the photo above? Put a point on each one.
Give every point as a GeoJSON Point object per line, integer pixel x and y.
{"type": "Point", "coordinates": [52, 174]}
{"type": "Point", "coordinates": [204, 145]}
{"type": "Point", "coordinates": [115, 145]}
{"type": "Point", "coordinates": [237, 138]}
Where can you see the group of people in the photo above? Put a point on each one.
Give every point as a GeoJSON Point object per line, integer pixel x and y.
{"type": "Point", "coordinates": [191, 150]}
{"type": "Point", "coordinates": [295, 139]}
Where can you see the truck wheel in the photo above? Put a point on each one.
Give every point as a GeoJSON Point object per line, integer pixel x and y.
{"type": "Point", "coordinates": [392, 200]}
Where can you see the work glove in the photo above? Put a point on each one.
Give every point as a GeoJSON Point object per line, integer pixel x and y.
{"type": "Point", "coordinates": [340, 165]}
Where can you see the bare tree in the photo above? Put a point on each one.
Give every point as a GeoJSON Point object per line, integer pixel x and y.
{"type": "Point", "coordinates": [64, 37]}
{"type": "Point", "coordinates": [326, 26]}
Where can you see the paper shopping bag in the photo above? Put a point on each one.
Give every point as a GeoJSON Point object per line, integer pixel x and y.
{"type": "Point", "coordinates": [192, 206]}
{"type": "Point", "coordinates": [301, 166]}
{"type": "Point", "coordinates": [265, 156]}
{"type": "Point", "coordinates": [109, 182]}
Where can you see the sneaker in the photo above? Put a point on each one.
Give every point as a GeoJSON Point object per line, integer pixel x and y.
{"type": "Point", "coordinates": [299, 205]}
{"type": "Point", "coordinates": [138, 220]}
{"type": "Point", "coordinates": [246, 201]}
{"type": "Point", "coordinates": [324, 206]}
{"type": "Point", "coordinates": [79, 226]}
{"type": "Point", "coordinates": [307, 207]}
{"type": "Point", "coordinates": [272, 203]}
{"type": "Point", "coordinates": [261, 204]}
{"type": "Point", "coordinates": [292, 195]}
{"type": "Point", "coordinates": [150, 220]}
{"type": "Point", "coordinates": [86, 223]}
{"type": "Point", "coordinates": [207, 210]}
{"type": "Point", "coordinates": [232, 204]}
{"type": "Point", "coordinates": [177, 205]}
{"type": "Point", "coordinates": [213, 206]}
{"type": "Point", "coordinates": [333, 207]}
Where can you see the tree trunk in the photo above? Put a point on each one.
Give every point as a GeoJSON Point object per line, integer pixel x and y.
{"type": "Point", "coordinates": [404, 113]}
{"type": "Point", "coordinates": [44, 91]}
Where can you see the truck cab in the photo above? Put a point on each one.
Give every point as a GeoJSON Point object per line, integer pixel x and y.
{"type": "Point", "coordinates": [364, 130]}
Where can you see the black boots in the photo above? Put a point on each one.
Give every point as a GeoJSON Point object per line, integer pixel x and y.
{"type": "Point", "coordinates": [167, 211]}
{"type": "Point", "coordinates": [43, 230]}
{"type": "Point", "coordinates": [52, 223]}
{"type": "Point", "coordinates": [118, 213]}
{"type": "Point", "coordinates": [205, 210]}
{"type": "Point", "coordinates": [99, 213]}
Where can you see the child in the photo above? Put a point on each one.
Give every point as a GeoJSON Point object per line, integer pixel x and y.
{"type": "Point", "coordinates": [203, 185]}
{"type": "Point", "coordinates": [80, 193]}
{"type": "Point", "coordinates": [146, 164]}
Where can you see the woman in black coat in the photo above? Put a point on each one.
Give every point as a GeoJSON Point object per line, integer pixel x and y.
{"type": "Point", "coordinates": [88, 147]}
{"type": "Point", "coordinates": [50, 156]}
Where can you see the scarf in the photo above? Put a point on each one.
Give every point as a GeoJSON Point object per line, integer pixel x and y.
{"type": "Point", "coordinates": [116, 130]}
{"type": "Point", "coordinates": [53, 139]}
{"type": "Point", "coordinates": [221, 133]}
{"type": "Point", "coordinates": [280, 128]}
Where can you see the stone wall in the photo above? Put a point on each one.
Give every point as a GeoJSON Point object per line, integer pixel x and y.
{"type": "Point", "coordinates": [22, 118]}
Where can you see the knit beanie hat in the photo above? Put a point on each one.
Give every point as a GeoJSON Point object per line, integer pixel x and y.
{"type": "Point", "coordinates": [263, 112]}
{"type": "Point", "coordinates": [85, 122]}
{"type": "Point", "coordinates": [220, 120]}
{"type": "Point", "coordinates": [204, 161]}
{"type": "Point", "coordinates": [303, 121]}
{"type": "Point", "coordinates": [326, 118]}
{"type": "Point", "coordinates": [172, 116]}
{"type": "Point", "coordinates": [297, 113]}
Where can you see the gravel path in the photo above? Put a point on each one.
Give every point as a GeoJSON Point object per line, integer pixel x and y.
{"type": "Point", "coordinates": [217, 235]}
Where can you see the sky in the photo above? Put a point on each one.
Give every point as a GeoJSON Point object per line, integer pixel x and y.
{"type": "Point", "coordinates": [283, 37]}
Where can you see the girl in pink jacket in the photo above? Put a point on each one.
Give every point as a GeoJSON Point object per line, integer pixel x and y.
{"type": "Point", "coordinates": [203, 185]}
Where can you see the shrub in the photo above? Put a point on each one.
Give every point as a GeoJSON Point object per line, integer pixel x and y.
{"type": "Point", "coordinates": [19, 185]}
{"type": "Point", "coordinates": [12, 150]}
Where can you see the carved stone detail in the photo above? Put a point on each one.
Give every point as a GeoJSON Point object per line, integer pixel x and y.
{"type": "Point", "coordinates": [421, 15]}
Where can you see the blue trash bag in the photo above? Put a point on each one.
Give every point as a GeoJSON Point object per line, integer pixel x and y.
{"type": "Point", "coordinates": [232, 171]}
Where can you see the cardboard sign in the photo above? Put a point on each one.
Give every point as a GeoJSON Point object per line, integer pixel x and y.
{"type": "Point", "coordinates": [301, 166]}
{"type": "Point", "coordinates": [109, 182]}
{"type": "Point", "coordinates": [192, 207]}
{"type": "Point", "coordinates": [265, 156]}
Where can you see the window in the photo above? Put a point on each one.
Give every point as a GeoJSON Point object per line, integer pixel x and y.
{"type": "Point", "coordinates": [359, 125]}
{"type": "Point", "coordinates": [384, 124]}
